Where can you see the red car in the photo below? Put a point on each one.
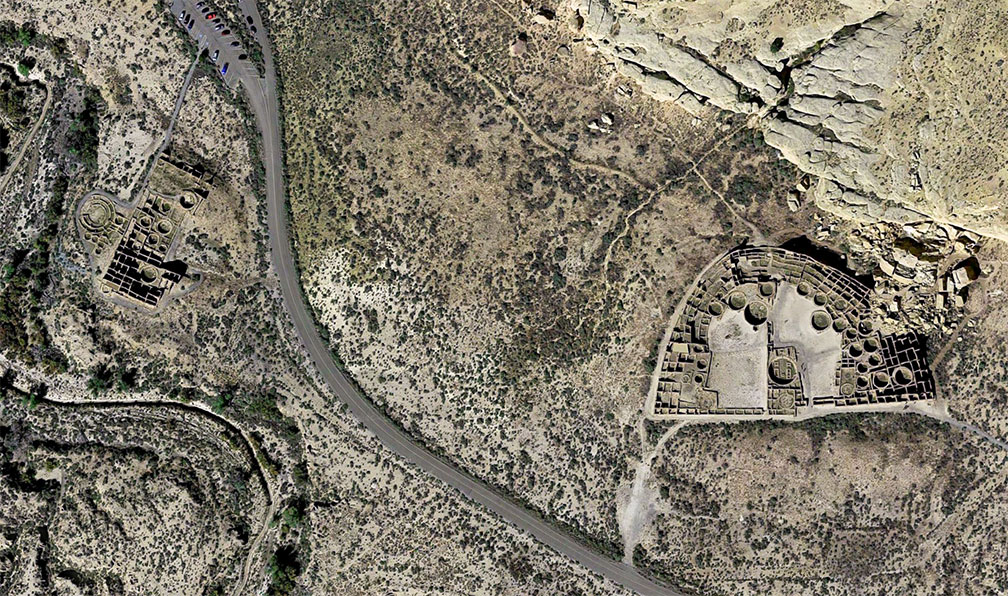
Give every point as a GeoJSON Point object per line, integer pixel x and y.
{"type": "Point", "coordinates": [211, 15]}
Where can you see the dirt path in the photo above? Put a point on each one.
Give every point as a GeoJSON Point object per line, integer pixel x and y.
{"type": "Point", "coordinates": [28, 142]}
{"type": "Point", "coordinates": [759, 238]}
{"type": "Point", "coordinates": [637, 510]}
{"type": "Point", "coordinates": [166, 140]}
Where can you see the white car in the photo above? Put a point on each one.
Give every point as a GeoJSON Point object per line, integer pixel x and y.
{"type": "Point", "coordinates": [215, 55]}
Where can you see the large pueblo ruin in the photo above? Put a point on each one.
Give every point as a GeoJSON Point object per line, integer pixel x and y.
{"type": "Point", "coordinates": [771, 333]}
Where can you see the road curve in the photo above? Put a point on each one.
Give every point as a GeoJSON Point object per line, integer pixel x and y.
{"type": "Point", "coordinates": [263, 101]}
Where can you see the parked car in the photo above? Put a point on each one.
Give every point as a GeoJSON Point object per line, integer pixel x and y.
{"type": "Point", "coordinates": [215, 55]}
{"type": "Point", "coordinates": [223, 69]}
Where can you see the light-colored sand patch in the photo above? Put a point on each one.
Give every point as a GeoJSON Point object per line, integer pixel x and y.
{"type": "Point", "coordinates": [739, 362]}
{"type": "Point", "coordinates": [818, 351]}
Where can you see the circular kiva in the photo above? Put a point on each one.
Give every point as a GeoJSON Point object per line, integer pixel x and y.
{"type": "Point", "coordinates": [153, 239]}
{"type": "Point", "coordinates": [871, 344]}
{"type": "Point", "coordinates": [804, 288]}
{"type": "Point", "coordinates": [145, 221]}
{"type": "Point", "coordinates": [148, 275]}
{"type": "Point", "coordinates": [855, 350]}
{"type": "Point", "coordinates": [819, 299]}
{"type": "Point", "coordinates": [756, 313]}
{"type": "Point", "coordinates": [766, 288]}
{"type": "Point", "coordinates": [785, 401]}
{"type": "Point", "coordinates": [880, 379]}
{"type": "Point", "coordinates": [902, 376]}
{"type": "Point", "coordinates": [716, 308]}
{"type": "Point", "coordinates": [851, 333]}
{"type": "Point", "coordinates": [783, 370]}
{"type": "Point", "coordinates": [96, 213]}
{"type": "Point", "coordinates": [164, 226]}
{"type": "Point", "coordinates": [865, 327]}
{"type": "Point", "coordinates": [840, 324]}
{"type": "Point", "coordinates": [187, 200]}
{"type": "Point", "coordinates": [707, 402]}
{"type": "Point", "coordinates": [821, 320]}
{"type": "Point", "coordinates": [847, 389]}
{"type": "Point", "coordinates": [737, 300]}
{"type": "Point", "coordinates": [874, 359]}
{"type": "Point", "coordinates": [862, 382]}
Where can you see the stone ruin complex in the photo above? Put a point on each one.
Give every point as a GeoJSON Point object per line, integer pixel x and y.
{"type": "Point", "coordinates": [132, 245]}
{"type": "Point", "coordinates": [770, 333]}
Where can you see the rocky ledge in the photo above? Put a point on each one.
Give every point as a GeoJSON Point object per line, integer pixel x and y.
{"type": "Point", "coordinates": [841, 89]}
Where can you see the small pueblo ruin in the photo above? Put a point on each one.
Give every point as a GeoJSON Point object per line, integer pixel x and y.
{"type": "Point", "coordinates": [132, 246]}
{"type": "Point", "coordinates": [770, 333]}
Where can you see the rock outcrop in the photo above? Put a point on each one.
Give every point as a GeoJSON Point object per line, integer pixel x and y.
{"type": "Point", "coordinates": [890, 104]}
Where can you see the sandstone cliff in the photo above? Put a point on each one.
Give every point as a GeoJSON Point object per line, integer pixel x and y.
{"type": "Point", "coordinates": [897, 107]}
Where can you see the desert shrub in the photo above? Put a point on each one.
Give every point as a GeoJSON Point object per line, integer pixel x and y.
{"type": "Point", "coordinates": [82, 138]}
{"type": "Point", "coordinates": [11, 34]}
{"type": "Point", "coordinates": [13, 102]}
{"type": "Point", "coordinates": [22, 331]}
{"type": "Point", "coordinates": [284, 569]}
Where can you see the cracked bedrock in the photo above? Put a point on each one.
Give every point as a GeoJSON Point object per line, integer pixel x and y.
{"type": "Point", "coordinates": [895, 106]}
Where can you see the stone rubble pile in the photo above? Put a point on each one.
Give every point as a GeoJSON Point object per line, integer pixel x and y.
{"type": "Point", "coordinates": [923, 271]}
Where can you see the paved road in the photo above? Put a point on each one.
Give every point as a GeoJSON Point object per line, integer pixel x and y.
{"type": "Point", "coordinates": [263, 100]}
{"type": "Point", "coordinates": [262, 95]}
{"type": "Point", "coordinates": [941, 413]}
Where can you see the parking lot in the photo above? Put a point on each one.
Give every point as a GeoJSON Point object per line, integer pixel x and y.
{"type": "Point", "coordinates": [215, 35]}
